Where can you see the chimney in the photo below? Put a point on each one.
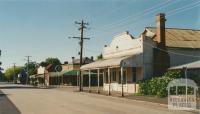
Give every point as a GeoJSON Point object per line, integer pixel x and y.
{"type": "Point", "coordinates": [66, 62]}
{"type": "Point", "coordinates": [160, 30]}
{"type": "Point", "coordinates": [161, 61]}
{"type": "Point", "coordinates": [92, 58]}
{"type": "Point", "coordinates": [73, 59]}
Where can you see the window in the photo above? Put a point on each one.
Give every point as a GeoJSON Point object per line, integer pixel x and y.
{"type": "Point", "coordinates": [134, 74]}
{"type": "Point", "coordinates": [114, 76]}
{"type": "Point", "coordinates": [106, 77]}
{"type": "Point", "coordinates": [124, 76]}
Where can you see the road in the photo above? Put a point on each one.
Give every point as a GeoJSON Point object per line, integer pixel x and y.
{"type": "Point", "coordinates": [25, 100]}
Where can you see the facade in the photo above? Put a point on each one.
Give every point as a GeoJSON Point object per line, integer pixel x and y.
{"type": "Point", "coordinates": [127, 59]}
{"type": "Point", "coordinates": [180, 43]}
{"type": "Point", "coordinates": [121, 64]}
{"type": "Point", "coordinates": [68, 76]}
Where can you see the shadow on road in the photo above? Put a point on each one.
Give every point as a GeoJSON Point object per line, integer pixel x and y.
{"type": "Point", "coordinates": [6, 106]}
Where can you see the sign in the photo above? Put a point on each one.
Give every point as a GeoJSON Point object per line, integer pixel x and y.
{"type": "Point", "coordinates": [182, 94]}
{"type": "Point", "coordinates": [58, 68]}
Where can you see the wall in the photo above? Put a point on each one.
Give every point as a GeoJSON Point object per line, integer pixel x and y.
{"type": "Point", "coordinates": [70, 67]}
{"type": "Point", "coordinates": [148, 45]}
{"type": "Point", "coordinates": [139, 73]}
{"type": "Point", "coordinates": [183, 56]}
{"type": "Point", "coordinates": [40, 70]}
{"type": "Point", "coordinates": [128, 88]}
{"type": "Point", "coordinates": [122, 45]}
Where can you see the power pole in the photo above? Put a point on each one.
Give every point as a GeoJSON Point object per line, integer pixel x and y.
{"type": "Point", "coordinates": [0, 61]}
{"type": "Point", "coordinates": [28, 60]}
{"type": "Point", "coordinates": [81, 38]}
{"type": "Point", "coordinates": [14, 77]}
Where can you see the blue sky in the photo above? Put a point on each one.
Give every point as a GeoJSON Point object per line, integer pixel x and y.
{"type": "Point", "coordinates": [41, 28]}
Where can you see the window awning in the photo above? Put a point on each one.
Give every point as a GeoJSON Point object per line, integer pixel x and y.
{"type": "Point", "coordinates": [126, 61]}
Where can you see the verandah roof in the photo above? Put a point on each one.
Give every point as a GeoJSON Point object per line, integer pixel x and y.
{"type": "Point", "coordinates": [62, 73]}
{"type": "Point", "coordinates": [193, 65]}
{"type": "Point", "coordinates": [126, 61]}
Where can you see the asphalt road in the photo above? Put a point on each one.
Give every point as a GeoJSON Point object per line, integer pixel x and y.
{"type": "Point", "coordinates": [64, 101]}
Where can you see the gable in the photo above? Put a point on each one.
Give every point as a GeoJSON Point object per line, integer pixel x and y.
{"type": "Point", "coordinates": [122, 45]}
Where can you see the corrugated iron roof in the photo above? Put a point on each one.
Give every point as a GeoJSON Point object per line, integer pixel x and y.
{"type": "Point", "coordinates": [192, 65]}
{"type": "Point", "coordinates": [180, 38]}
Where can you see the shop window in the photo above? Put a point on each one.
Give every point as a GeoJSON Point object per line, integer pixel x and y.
{"type": "Point", "coordinates": [114, 76]}
{"type": "Point", "coordinates": [106, 77]}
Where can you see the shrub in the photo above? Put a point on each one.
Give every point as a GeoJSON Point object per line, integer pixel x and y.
{"type": "Point", "coordinates": [156, 86]}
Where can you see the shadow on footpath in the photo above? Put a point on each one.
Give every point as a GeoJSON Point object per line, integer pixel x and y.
{"type": "Point", "coordinates": [22, 87]}
{"type": "Point", "coordinates": [6, 106]}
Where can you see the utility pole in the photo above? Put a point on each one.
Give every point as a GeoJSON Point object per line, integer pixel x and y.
{"type": "Point", "coordinates": [14, 77]}
{"type": "Point", "coordinates": [28, 60]}
{"type": "Point", "coordinates": [81, 38]}
{"type": "Point", "coordinates": [0, 61]}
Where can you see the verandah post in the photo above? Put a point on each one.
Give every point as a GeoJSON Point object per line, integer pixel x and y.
{"type": "Point", "coordinates": [109, 81]}
{"type": "Point", "coordinates": [89, 81]}
{"type": "Point", "coordinates": [122, 81]}
{"type": "Point", "coordinates": [98, 80]}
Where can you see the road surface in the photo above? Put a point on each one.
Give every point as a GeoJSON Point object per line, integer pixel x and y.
{"type": "Point", "coordinates": [62, 101]}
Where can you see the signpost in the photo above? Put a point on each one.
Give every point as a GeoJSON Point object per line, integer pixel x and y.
{"type": "Point", "coordinates": [58, 69]}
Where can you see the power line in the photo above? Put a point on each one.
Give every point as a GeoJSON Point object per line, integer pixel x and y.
{"type": "Point", "coordinates": [182, 9]}
{"type": "Point", "coordinates": [140, 14]}
{"type": "Point", "coordinates": [188, 5]}
{"type": "Point", "coordinates": [174, 11]}
{"type": "Point", "coordinates": [90, 50]}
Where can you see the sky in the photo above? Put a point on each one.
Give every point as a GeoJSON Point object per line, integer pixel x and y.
{"type": "Point", "coordinates": [40, 28]}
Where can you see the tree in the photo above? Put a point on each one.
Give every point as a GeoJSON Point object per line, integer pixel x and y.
{"type": "Point", "coordinates": [10, 73]}
{"type": "Point", "coordinates": [31, 68]}
{"type": "Point", "coordinates": [2, 76]}
{"type": "Point", "coordinates": [53, 61]}
{"type": "Point", "coordinates": [99, 57]}
{"type": "Point", "coordinates": [43, 63]}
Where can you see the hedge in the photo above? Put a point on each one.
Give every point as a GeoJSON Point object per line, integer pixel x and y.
{"type": "Point", "coordinates": [156, 86]}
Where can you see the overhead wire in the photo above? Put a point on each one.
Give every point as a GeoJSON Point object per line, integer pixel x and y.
{"type": "Point", "coordinates": [173, 12]}
{"type": "Point", "coordinates": [146, 11]}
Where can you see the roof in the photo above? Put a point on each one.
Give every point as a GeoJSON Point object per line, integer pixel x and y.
{"type": "Point", "coordinates": [85, 60]}
{"type": "Point", "coordinates": [127, 61]}
{"type": "Point", "coordinates": [63, 73]}
{"type": "Point", "coordinates": [192, 65]}
{"type": "Point", "coordinates": [182, 82]}
{"type": "Point", "coordinates": [71, 72]}
{"type": "Point", "coordinates": [104, 63]}
{"type": "Point", "coordinates": [180, 38]}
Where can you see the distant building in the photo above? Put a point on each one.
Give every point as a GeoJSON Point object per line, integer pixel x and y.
{"type": "Point", "coordinates": [68, 76]}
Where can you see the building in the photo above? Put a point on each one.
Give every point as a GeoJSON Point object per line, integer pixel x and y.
{"type": "Point", "coordinates": [67, 76]}
{"type": "Point", "coordinates": [128, 59]}
{"type": "Point", "coordinates": [191, 69]}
